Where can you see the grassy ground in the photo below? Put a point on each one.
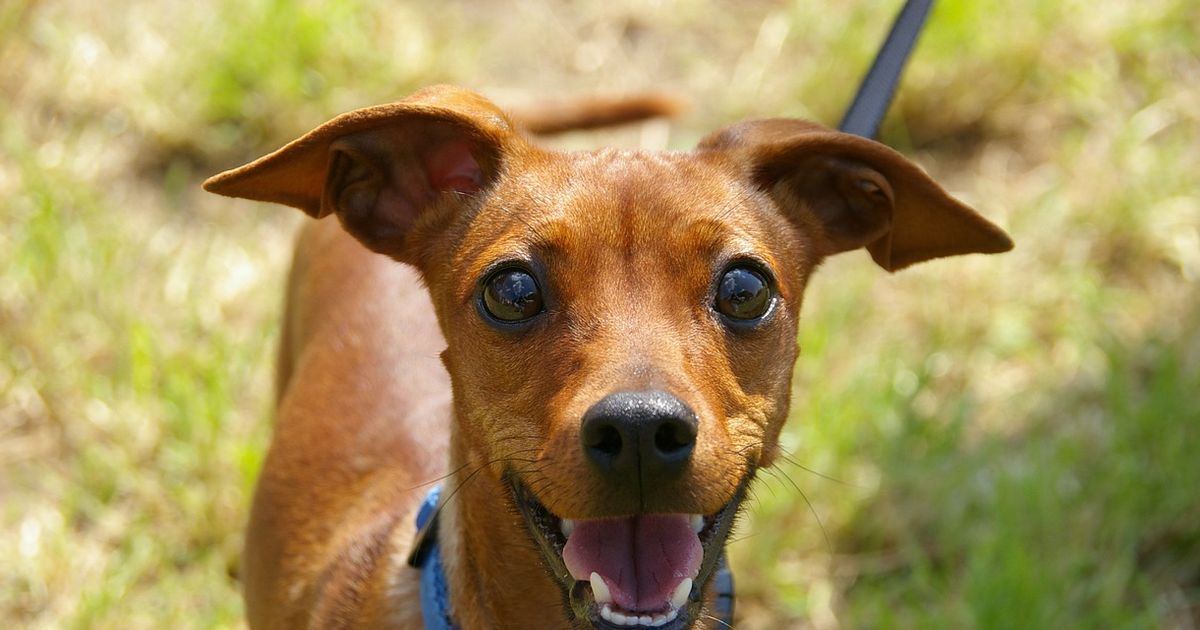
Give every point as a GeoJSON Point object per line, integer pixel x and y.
{"type": "Point", "coordinates": [991, 442]}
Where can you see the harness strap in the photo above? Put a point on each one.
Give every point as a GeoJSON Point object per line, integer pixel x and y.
{"type": "Point", "coordinates": [435, 592]}
{"type": "Point", "coordinates": [723, 585]}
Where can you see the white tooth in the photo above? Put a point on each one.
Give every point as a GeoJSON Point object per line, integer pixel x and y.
{"type": "Point", "coordinates": [567, 526]}
{"type": "Point", "coordinates": [679, 597]}
{"type": "Point", "coordinates": [600, 589]}
{"type": "Point", "coordinates": [644, 620]}
{"type": "Point", "coordinates": [617, 618]}
{"type": "Point", "coordinates": [658, 620]}
{"type": "Point", "coordinates": [671, 615]}
{"type": "Point", "coordinates": [697, 523]}
{"type": "Point", "coordinates": [606, 612]}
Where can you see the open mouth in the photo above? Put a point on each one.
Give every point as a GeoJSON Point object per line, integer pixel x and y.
{"type": "Point", "coordinates": [637, 571]}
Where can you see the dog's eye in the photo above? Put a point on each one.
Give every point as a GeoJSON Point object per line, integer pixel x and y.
{"type": "Point", "coordinates": [512, 295]}
{"type": "Point", "coordinates": [743, 294]}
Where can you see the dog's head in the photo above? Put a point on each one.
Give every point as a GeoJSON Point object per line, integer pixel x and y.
{"type": "Point", "coordinates": [621, 325]}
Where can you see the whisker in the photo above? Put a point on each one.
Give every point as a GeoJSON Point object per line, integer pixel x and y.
{"type": "Point", "coordinates": [776, 473]}
{"type": "Point", "coordinates": [437, 479]}
{"type": "Point", "coordinates": [447, 498]}
{"type": "Point", "coordinates": [787, 457]}
{"type": "Point", "coordinates": [775, 476]}
{"type": "Point", "coordinates": [813, 510]}
{"type": "Point", "coordinates": [734, 539]}
{"type": "Point", "coordinates": [720, 621]}
{"type": "Point", "coordinates": [460, 468]}
{"type": "Point", "coordinates": [782, 475]}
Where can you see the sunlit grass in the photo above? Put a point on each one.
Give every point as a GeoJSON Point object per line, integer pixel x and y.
{"type": "Point", "coordinates": [988, 442]}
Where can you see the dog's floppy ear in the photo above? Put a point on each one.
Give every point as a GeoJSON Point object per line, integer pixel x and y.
{"type": "Point", "coordinates": [382, 169]}
{"type": "Point", "coordinates": [856, 193]}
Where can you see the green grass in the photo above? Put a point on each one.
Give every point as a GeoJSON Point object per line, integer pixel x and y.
{"type": "Point", "coordinates": [990, 442]}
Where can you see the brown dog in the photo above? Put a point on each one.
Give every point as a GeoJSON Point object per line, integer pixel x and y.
{"type": "Point", "coordinates": [616, 333]}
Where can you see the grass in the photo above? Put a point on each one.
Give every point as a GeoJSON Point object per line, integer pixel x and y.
{"type": "Point", "coordinates": [992, 442]}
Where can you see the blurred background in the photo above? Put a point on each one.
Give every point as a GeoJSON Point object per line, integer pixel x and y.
{"type": "Point", "coordinates": [984, 442]}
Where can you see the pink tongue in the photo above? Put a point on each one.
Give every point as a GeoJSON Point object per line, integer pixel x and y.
{"type": "Point", "coordinates": [641, 558]}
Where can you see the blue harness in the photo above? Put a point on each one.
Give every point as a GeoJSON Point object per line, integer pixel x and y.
{"type": "Point", "coordinates": [435, 594]}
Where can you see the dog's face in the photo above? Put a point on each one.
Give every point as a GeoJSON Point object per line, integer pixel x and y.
{"type": "Point", "coordinates": [596, 274]}
{"type": "Point", "coordinates": [621, 326]}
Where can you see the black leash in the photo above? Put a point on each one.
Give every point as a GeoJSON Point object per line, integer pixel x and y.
{"type": "Point", "coordinates": [879, 86]}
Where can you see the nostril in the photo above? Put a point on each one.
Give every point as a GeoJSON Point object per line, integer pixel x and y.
{"type": "Point", "coordinates": [673, 437]}
{"type": "Point", "coordinates": [605, 439]}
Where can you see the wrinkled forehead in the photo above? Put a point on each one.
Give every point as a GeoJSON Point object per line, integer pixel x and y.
{"type": "Point", "coordinates": [608, 207]}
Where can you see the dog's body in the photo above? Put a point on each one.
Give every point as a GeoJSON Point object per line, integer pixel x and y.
{"type": "Point", "coordinates": [605, 361]}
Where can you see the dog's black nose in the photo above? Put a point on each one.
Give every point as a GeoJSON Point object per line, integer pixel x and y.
{"type": "Point", "coordinates": [631, 434]}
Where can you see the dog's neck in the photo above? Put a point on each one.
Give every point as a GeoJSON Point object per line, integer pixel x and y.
{"type": "Point", "coordinates": [495, 573]}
